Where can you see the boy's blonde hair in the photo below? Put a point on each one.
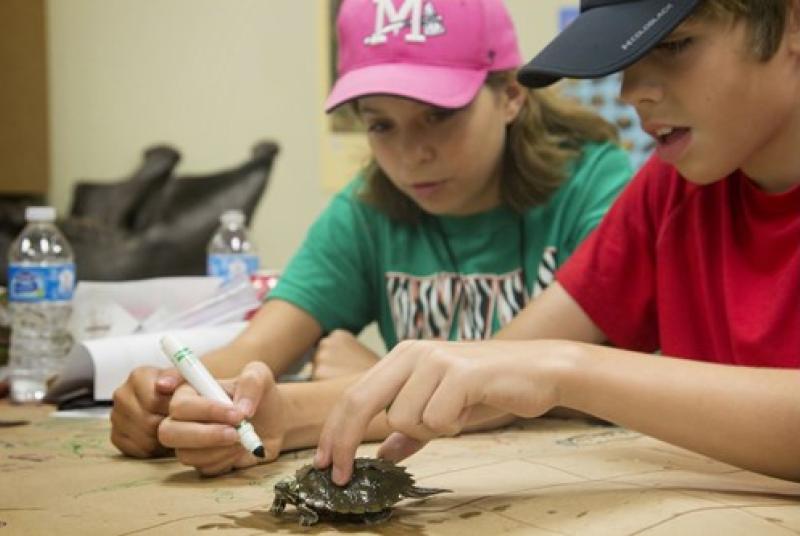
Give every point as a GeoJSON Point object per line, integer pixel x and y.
{"type": "Point", "coordinates": [765, 20]}
{"type": "Point", "coordinates": [546, 136]}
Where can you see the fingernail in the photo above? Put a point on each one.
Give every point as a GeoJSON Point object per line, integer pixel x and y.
{"type": "Point", "coordinates": [231, 435]}
{"type": "Point", "coordinates": [245, 406]}
{"type": "Point", "coordinates": [338, 476]}
{"type": "Point", "coordinates": [167, 381]}
{"type": "Point", "coordinates": [233, 416]}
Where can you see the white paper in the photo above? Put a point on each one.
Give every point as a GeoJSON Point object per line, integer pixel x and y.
{"type": "Point", "coordinates": [115, 358]}
{"type": "Point", "coordinates": [114, 308]}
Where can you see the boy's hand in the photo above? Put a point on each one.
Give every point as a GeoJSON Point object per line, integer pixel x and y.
{"type": "Point", "coordinates": [139, 406]}
{"type": "Point", "coordinates": [341, 354]}
{"type": "Point", "coordinates": [428, 389]}
{"type": "Point", "coordinates": [202, 431]}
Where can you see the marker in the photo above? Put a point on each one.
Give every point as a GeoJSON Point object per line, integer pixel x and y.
{"type": "Point", "coordinates": [204, 383]}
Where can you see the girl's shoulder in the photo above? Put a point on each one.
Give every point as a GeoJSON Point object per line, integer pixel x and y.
{"type": "Point", "coordinates": [600, 166]}
{"type": "Point", "coordinates": [349, 200]}
{"type": "Point", "coordinates": [609, 155]}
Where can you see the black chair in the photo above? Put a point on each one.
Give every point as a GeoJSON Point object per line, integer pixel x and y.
{"type": "Point", "coordinates": [156, 223]}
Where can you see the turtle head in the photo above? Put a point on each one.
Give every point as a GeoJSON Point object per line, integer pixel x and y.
{"type": "Point", "coordinates": [287, 488]}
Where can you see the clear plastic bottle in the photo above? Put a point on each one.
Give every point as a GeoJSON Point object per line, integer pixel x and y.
{"type": "Point", "coordinates": [231, 254]}
{"type": "Point", "coordinates": [41, 279]}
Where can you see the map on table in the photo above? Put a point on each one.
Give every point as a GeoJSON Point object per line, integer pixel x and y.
{"type": "Point", "coordinates": [542, 476]}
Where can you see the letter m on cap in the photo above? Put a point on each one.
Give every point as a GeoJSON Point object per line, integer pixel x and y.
{"type": "Point", "coordinates": [388, 19]}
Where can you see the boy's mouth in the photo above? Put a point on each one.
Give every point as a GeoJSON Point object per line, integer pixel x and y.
{"type": "Point", "coordinates": [671, 141]}
{"type": "Point", "coordinates": [665, 135]}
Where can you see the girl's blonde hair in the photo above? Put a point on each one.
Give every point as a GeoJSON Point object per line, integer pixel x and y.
{"type": "Point", "coordinates": [546, 136]}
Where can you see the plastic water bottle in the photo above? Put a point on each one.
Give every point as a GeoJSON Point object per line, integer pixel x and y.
{"type": "Point", "coordinates": [231, 254]}
{"type": "Point", "coordinates": [41, 279]}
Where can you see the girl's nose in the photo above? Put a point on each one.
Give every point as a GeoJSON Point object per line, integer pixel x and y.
{"type": "Point", "coordinates": [417, 149]}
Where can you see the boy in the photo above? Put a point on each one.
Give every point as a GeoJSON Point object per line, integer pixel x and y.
{"type": "Point", "coordinates": [698, 258]}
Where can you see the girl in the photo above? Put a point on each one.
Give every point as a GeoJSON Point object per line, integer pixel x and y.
{"type": "Point", "coordinates": [478, 189]}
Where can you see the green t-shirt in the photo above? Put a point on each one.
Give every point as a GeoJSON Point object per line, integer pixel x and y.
{"type": "Point", "coordinates": [448, 277]}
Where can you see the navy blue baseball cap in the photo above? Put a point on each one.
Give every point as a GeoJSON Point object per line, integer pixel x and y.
{"type": "Point", "coordinates": [606, 37]}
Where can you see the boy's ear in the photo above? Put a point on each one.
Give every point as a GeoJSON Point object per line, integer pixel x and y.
{"type": "Point", "coordinates": [515, 95]}
{"type": "Point", "coordinates": [793, 27]}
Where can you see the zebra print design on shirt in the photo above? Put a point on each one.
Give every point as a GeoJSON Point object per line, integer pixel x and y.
{"type": "Point", "coordinates": [422, 307]}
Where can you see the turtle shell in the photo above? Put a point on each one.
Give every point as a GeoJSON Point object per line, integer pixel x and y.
{"type": "Point", "coordinates": [376, 485]}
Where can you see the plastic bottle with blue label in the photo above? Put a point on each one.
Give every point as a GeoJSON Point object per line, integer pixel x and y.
{"type": "Point", "coordinates": [41, 280]}
{"type": "Point", "coordinates": [231, 254]}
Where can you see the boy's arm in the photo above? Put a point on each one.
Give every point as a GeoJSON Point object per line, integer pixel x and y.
{"type": "Point", "coordinates": [748, 417]}
{"type": "Point", "coordinates": [553, 314]}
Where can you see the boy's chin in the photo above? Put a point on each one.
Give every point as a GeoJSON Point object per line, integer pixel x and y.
{"type": "Point", "coordinates": [702, 176]}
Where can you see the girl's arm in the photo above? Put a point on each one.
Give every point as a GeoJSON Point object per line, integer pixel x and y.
{"type": "Point", "coordinates": [277, 335]}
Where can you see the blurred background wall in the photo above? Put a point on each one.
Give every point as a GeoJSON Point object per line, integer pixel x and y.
{"type": "Point", "coordinates": [209, 77]}
{"type": "Point", "coordinates": [87, 85]}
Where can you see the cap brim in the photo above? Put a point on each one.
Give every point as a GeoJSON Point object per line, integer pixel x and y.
{"type": "Point", "coordinates": [604, 40]}
{"type": "Point", "coordinates": [445, 87]}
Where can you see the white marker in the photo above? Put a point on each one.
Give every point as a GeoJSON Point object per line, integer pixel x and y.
{"type": "Point", "coordinates": [198, 377]}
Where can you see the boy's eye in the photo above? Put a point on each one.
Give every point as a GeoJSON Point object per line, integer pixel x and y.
{"type": "Point", "coordinates": [674, 47]}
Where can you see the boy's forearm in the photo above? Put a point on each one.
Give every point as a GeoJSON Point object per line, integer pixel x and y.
{"type": "Point", "coordinates": [748, 417]}
{"type": "Point", "coordinates": [308, 405]}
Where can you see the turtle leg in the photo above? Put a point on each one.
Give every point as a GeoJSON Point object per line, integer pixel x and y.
{"type": "Point", "coordinates": [278, 505]}
{"type": "Point", "coordinates": [373, 518]}
{"type": "Point", "coordinates": [417, 492]}
{"type": "Point", "coordinates": [307, 516]}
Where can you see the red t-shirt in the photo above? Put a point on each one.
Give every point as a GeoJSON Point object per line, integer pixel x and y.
{"type": "Point", "coordinates": [703, 272]}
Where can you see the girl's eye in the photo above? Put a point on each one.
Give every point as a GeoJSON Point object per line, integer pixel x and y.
{"type": "Point", "coordinates": [673, 48]}
{"type": "Point", "coordinates": [378, 126]}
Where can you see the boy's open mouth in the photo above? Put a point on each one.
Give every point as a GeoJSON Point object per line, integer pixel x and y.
{"type": "Point", "coordinates": [666, 135]}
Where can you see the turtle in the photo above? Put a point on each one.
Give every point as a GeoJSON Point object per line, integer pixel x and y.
{"type": "Point", "coordinates": [368, 498]}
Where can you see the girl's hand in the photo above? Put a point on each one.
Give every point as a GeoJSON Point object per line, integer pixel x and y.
{"type": "Point", "coordinates": [428, 389]}
{"type": "Point", "coordinates": [140, 404]}
{"type": "Point", "coordinates": [341, 354]}
{"type": "Point", "coordinates": [203, 433]}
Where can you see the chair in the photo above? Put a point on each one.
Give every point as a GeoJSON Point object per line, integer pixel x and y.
{"type": "Point", "coordinates": [153, 224]}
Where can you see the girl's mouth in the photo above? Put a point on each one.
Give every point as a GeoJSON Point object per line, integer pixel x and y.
{"type": "Point", "coordinates": [427, 189]}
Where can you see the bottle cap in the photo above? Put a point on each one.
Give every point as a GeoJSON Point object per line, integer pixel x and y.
{"type": "Point", "coordinates": [40, 214]}
{"type": "Point", "coordinates": [232, 217]}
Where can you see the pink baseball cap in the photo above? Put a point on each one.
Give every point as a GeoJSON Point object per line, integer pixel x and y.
{"type": "Point", "coordinates": [434, 51]}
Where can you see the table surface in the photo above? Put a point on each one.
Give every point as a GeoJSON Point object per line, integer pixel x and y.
{"type": "Point", "coordinates": [544, 476]}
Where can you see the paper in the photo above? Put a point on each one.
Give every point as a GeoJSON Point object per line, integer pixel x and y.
{"type": "Point", "coordinates": [115, 358]}
{"type": "Point", "coordinates": [108, 309]}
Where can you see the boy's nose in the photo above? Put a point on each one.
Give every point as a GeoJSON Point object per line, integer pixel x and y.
{"type": "Point", "coordinates": [639, 88]}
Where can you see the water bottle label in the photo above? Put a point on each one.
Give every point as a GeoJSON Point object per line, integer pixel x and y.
{"type": "Point", "coordinates": [40, 283]}
{"type": "Point", "coordinates": [228, 266]}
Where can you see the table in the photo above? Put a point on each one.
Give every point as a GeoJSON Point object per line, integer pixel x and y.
{"type": "Point", "coordinates": [537, 477]}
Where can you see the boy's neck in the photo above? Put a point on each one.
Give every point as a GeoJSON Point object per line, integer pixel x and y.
{"type": "Point", "coordinates": [776, 167]}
